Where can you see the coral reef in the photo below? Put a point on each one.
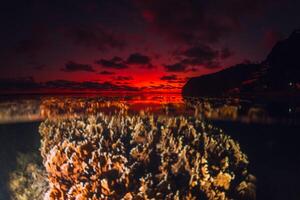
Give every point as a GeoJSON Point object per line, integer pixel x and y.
{"type": "Point", "coordinates": [142, 156]}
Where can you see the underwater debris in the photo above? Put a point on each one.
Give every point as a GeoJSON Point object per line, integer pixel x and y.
{"type": "Point", "coordinates": [121, 156]}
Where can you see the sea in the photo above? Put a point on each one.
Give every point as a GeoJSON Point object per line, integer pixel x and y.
{"type": "Point", "coordinates": [267, 133]}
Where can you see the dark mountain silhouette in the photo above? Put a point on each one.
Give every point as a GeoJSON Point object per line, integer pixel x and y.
{"type": "Point", "coordinates": [278, 75]}
{"type": "Point", "coordinates": [220, 82]}
{"type": "Point", "coordinates": [285, 59]}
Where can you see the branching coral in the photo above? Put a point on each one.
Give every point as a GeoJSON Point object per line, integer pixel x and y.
{"type": "Point", "coordinates": [124, 156]}
{"type": "Point", "coordinates": [28, 181]}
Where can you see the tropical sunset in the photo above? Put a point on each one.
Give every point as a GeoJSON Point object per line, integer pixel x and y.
{"type": "Point", "coordinates": [149, 99]}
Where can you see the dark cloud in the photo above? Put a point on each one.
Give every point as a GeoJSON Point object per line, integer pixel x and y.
{"type": "Point", "coordinates": [225, 53]}
{"type": "Point", "coordinates": [74, 67]}
{"type": "Point", "coordinates": [173, 79]}
{"type": "Point", "coordinates": [193, 69]}
{"type": "Point", "coordinates": [123, 78]}
{"type": "Point", "coordinates": [114, 63]}
{"type": "Point", "coordinates": [28, 84]}
{"type": "Point", "coordinates": [88, 85]}
{"type": "Point", "coordinates": [62, 84]}
{"type": "Point", "coordinates": [196, 21]}
{"type": "Point", "coordinates": [22, 83]}
{"type": "Point", "coordinates": [213, 65]}
{"type": "Point", "coordinates": [177, 67]}
{"type": "Point", "coordinates": [104, 72]}
{"type": "Point", "coordinates": [160, 87]}
{"type": "Point", "coordinates": [95, 36]}
{"type": "Point", "coordinates": [169, 78]}
{"type": "Point", "coordinates": [39, 67]}
{"type": "Point", "coordinates": [133, 59]}
{"type": "Point", "coordinates": [137, 58]}
{"type": "Point", "coordinates": [201, 56]}
{"type": "Point", "coordinates": [271, 37]}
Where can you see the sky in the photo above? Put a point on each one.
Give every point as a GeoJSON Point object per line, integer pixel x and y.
{"type": "Point", "coordinates": [133, 45]}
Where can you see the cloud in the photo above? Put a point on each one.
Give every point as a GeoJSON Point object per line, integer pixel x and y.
{"type": "Point", "coordinates": [74, 67]}
{"type": "Point", "coordinates": [62, 84]}
{"type": "Point", "coordinates": [114, 63]}
{"type": "Point", "coordinates": [123, 78]}
{"type": "Point", "coordinates": [193, 69]}
{"type": "Point", "coordinates": [104, 72]}
{"type": "Point", "coordinates": [196, 21]}
{"type": "Point", "coordinates": [201, 55]}
{"type": "Point", "coordinates": [169, 78]}
{"type": "Point", "coordinates": [213, 65]}
{"type": "Point", "coordinates": [225, 53]}
{"type": "Point", "coordinates": [28, 84]}
{"type": "Point", "coordinates": [139, 59]}
{"type": "Point", "coordinates": [160, 87]}
{"type": "Point", "coordinates": [177, 67]}
{"type": "Point", "coordinates": [21, 83]}
{"type": "Point", "coordinates": [270, 38]}
{"type": "Point", "coordinates": [95, 36]}
{"type": "Point", "coordinates": [119, 63]}
{"type": "Point", "coordinates": [173, 79]}
{"type": "Point", "coordinates": [88, 85]}
{"type": "Point", "coordinates": [39, 67]}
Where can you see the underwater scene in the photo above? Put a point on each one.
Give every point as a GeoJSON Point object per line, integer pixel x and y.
{"type": "Point", "coordinates": [147, 147]}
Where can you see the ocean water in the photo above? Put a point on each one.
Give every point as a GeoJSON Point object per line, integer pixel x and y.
{"type": "Point", "coordinates": [149, 146]}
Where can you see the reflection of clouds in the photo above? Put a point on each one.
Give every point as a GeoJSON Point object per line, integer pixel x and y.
{"type": "Point", "coordinates": [19, 110]}
{"type": "Point", "coordinates": [142, 156]}
{"type": "Point", "coordinates": [209, 108]}
{"type": "Point", "coordinates": [60, 107]}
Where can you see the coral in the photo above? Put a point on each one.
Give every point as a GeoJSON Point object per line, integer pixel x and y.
{"type": "Point", "coordinates": [142, 156]}
{"type": "Point", "coordinates": [29, 180]}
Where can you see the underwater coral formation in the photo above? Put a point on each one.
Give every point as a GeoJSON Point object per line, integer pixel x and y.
{"type": "Point", "coordinates": [142, 156]}
{"type": "Point", "coordinates": [29, 179]}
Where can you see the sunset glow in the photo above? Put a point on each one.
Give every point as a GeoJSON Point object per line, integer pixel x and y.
{"type": "Point", "coordinates": [107, 46]}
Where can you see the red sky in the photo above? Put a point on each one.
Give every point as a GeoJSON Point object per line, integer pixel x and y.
{"type": "Point", "coordinates": [133, 45]}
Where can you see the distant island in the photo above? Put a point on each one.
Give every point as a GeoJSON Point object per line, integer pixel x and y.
{"type": "Point", "coordinates": [277, 77]}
